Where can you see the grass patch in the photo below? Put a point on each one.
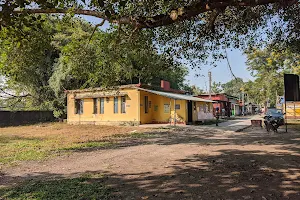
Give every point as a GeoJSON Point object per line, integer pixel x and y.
{"type": "Point", "coordinates": [165, 127]}
{"type": "Point", "coordinates": [88, 145]}
{"type": "Point", "coordinates": [39, 142]}
{"type": "Point", "coordinates": [15, 149]}
{"type": "Point", "coordinates": [134, 135]}
{"type": "Point", "coordinates": [142, 135]}
{"type": "Point", "coordinates": [86, 187]}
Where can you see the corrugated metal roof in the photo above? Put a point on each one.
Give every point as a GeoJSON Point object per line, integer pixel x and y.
{"type": "Point", "coordinates": [176, 96]}
{"type": "Point", "coordinates": [214, 94]}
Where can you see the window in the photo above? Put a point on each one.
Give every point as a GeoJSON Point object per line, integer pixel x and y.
{"type": "Point", "coordinates": [115, 104]}
{"type": "Point", "coordinates": [123, 104]}
{"type": "Point", "coordinates": [78, 106]}
{"type": "Point", "coordinates": [146, 104]}
{"type": "Point", "coordinates": [201, 108]}
{"type": "Point", "coordinates": [166, 108]}
{"type": "Point", "coordinates": [195, 105]}
{"type": "Point", "coordinates": [95, 106]}
{"type": "Point", "coordinates": [177, 106]}
{"type": "Point", "coordinates": [101, 105]}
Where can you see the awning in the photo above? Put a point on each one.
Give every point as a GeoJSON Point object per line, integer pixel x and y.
{"type": "Point", "coordinates": [91, 95]}
{"type": "Point", "coordinates": [176, 96]}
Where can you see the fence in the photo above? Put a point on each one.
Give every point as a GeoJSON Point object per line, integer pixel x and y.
{"type": "Point", "coordinates": [9, 118]}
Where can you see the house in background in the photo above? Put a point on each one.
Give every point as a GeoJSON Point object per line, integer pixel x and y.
{"type": "Point", "coordinates": [136, 104]}
{"type": "Point", "coordinates": [228, 103]}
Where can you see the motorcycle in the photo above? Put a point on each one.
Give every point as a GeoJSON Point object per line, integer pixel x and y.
{"type": "Point", "coordinates": [272, 123]}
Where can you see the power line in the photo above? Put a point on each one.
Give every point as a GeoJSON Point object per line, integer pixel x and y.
{"type": "Point", "coordinates": [229, 66]}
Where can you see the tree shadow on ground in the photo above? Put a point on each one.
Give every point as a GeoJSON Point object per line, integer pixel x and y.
{"type": "Point", "coordinates": [232, 174]}
{"type": "Point", "coordinates": [54, 186]}
{"type": "Point", "coordinates": [228, 173]}
{"type": "Point", "coordinates": [199, 136]}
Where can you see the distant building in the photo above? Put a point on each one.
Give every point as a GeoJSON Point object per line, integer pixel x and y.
{"type": "Point", "coordinates": [136, 104]}
{"type": "Point", "coordinates": [230, 105]}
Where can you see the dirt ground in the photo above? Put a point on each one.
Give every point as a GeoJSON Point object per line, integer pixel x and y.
{"type": "Point", "coordinates": [39, 142]}
{"type": "Point", "coordinates": [65, 132]}
{"type": "Point", "coordinates": [185, 163]}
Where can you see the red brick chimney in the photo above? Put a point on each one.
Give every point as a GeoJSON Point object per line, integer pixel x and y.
{"type": "Point", "coordinates": [165, 85]}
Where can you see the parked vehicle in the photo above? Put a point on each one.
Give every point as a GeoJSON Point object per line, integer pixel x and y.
{"type": "Point", "coordinates": [273, 119]}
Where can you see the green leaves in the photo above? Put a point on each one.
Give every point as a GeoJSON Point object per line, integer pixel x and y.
{"type": "Point", "coordinates": [268, 67]}
{"type": "Point", "coordinates": [233, 87]}
{"type": "Point", "coordinates": [198, 37]}
{"type": "Point", "coordinates": [58, 57]}
{"type": "Point", "coordinates": [216, 87]}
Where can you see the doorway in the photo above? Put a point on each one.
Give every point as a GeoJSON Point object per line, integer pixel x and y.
{"type": "Point", "coordinates": [190, 112]}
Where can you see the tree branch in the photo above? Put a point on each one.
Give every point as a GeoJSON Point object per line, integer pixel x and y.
{"type": "Point", "coordinates": [12, 95]}
{"type": "Point", "coordinates": [63, 11]}
{"type": "Point", "coordinates": [192, 11]}
{"type": "Point", "coordinates": [97, 25]}
{"type": "Point", "coordinates": [184, 13]}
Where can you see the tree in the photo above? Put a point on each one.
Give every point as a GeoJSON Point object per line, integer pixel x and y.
{"type": "Point", "coordinates": [216, 87]}
{"type": "Point", "coordinates": [196, 90]}
{"type": "Point", "coordinates": [61, 57]}
{"type": "Point", "coordinates": [193, 30]}
{"type": "Point", "coordinates": [233, 87]}
{"type": "Point", "coordinates": [27, 64]}
{"type": "Point", "coordinates": [139, 15]}
{"type": "Point", "coordinates": [11, 97]}
{"type": "Point", "coordinates": [268, 67]}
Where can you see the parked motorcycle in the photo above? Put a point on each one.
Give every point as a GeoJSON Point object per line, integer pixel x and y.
{"type": "Point", "coordinates": [273, 119]}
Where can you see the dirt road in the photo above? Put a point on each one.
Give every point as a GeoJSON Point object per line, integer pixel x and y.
{"type": "Point", "coordinates": [186, 163]}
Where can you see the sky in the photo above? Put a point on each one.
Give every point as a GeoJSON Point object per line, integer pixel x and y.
{"type": "Point", "coordinates": [221, 73]}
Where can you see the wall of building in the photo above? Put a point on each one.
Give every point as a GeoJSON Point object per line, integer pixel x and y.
{"type": "Point", "coordinates": [157, 114]}
{"type": "Point", "coordinates": [204, 111]}
{"type": "Point", "coordinates": [108, 117]}
{"type": "Point", "coordinates": [181, 111]}
{"type": "Point", "coordinates": [218, 97]}
{"type": "Point", "coordinates": [292, 110]}
{"type": "Point", "coordinates": [156, 111]}
{"type": "Point", "coordinates": [237, 110]}
{"type": "Point", "coordinates": [135, 110]}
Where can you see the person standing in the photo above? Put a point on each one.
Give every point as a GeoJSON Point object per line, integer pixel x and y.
{"type": "Point", "coordinates": [217, 116]}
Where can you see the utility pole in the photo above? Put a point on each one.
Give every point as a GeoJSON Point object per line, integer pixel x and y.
{"type": "Point", "coordinates": [209, 80]}
{"type": "Point", "coordinates": [243, 102]}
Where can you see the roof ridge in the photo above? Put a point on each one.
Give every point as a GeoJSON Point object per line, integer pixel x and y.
{"type": "Point", "coordinates": [104, 88]}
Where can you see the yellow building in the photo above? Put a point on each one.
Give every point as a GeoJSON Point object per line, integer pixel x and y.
{"type": "Point", "coordinates": [292, 110]}
{"type": "Point", "coordinates": [134, 105]}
